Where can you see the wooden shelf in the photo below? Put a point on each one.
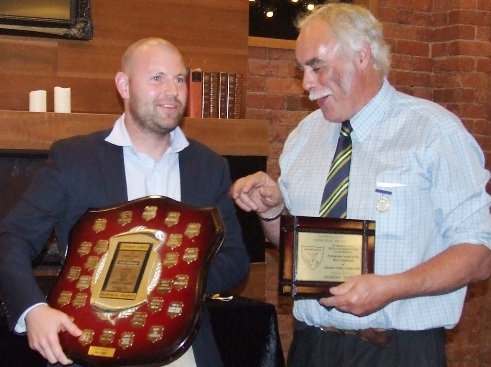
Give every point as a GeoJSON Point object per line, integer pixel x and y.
{"type": "Point", "coordinates": [36, 131]}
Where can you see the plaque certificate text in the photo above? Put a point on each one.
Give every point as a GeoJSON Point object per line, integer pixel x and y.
{"type": "Point", "coordinates": [318, 253]}
{"type": "Point", "coordinates": [126, 271]}
{"type": "Point", "coordinates": [329, 257]}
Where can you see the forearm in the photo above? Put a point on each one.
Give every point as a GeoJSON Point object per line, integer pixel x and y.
{"type": "Point", "coordinates": [270, 221]}
{"type": "Point", "coordinates": [454, 268]}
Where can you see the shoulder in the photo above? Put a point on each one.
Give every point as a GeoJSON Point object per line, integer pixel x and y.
{"type": "Point", "coordinates": [199, 151]}
{"type": "Point", "coordinates": [83, 150]}
{"type": "Point", "coordinates": [311, 128]}
{"type": "Point", "coordinates": [81, 142]}
{"type": "Point", "coordinates": [426, 111]}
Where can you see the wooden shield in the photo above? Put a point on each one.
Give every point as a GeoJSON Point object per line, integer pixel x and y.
{"type": "Point", "coordinates": [134, 280]}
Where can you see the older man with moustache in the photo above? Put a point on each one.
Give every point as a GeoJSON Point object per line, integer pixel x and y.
{"type": "Point", "coordinates": [414, 170]}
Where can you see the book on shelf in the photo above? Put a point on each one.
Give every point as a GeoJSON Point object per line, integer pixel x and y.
{"type": "Point", "coordinates": [205, 105]}
{"type": "Point", "coordinates": [223, 95]}
{"type": "Point", "coordinates": [194, 81]}
{"type": "Point", "coordinates": [214, 93]}
{"type": "Point", "coordinates": [238, 96]}
{"type": "Point", "coordinates": [231, 95]}
{"type": "Point", "coordinates": [220, 94]}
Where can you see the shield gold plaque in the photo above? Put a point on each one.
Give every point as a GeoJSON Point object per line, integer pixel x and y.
{"type": "Point", "coordinates": [135, 291]}
{"type": "Point", "coordinates": [319, 253]}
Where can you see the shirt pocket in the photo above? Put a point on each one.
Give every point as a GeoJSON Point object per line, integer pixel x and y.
{"type": "Point", "coordinates": [403, 215]}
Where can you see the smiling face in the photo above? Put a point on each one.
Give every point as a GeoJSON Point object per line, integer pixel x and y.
{"type": "Point", "coordinates": [153, 87]}
{"type": "Point", "coordinates": [331, 77]}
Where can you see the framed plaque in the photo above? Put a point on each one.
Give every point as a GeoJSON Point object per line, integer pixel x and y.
{"type": "Point", "coordinates": [318, 253]}
{"type": "Point", "coordinates": [134, 279]}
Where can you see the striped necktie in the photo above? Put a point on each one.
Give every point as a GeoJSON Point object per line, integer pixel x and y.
{"type": "Point", "coordinates": [334, 199]}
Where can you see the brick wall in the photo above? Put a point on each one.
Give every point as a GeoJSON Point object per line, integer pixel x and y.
{"type": "Point", "coordinates": [441, 51]}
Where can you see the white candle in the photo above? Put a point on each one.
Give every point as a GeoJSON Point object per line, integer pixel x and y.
{"type": "Point", "coordinates": [37, 101]}
{"type": "Point", "coordinates": [62, 100]}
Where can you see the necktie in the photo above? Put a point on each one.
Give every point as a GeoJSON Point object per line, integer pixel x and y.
{"type": "Point", "coordinates": [334, 199]}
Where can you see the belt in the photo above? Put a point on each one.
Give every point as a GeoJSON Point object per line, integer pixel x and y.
{"type": "Point", "coordinates": [378, 337]}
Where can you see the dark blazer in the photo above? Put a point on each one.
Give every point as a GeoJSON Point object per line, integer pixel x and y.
{"type": "Point", "coordinates": [87, 172]}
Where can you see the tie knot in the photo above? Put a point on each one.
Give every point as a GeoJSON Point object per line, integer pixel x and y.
{"type": "Point", "coordinates": [346, 128]}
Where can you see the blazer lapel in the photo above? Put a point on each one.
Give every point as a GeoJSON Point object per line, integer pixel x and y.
{"type": "Point", "coordinates": [112, 173]}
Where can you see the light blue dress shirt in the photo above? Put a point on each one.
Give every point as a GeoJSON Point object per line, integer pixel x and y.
{"type": "Point", "coordinates": [431, 170]}
{"type": "Point", "coordinates": [144, 176]}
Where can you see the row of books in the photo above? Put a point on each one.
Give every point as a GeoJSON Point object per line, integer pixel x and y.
{"type": "Point", "coordinates": [214, 94]}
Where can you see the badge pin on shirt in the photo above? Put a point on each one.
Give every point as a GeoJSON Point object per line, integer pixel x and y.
{"type": "Point", "coordinates": [383, 203]}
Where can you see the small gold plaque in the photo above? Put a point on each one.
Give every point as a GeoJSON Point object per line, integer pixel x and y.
{"type": "Point", "coordinates": [99, 225]}
{"type": "Point", "coordinates": [149, 212]}
{"type": "Point", "coordinates": [155, 333]}
{"type": "Point", "coordinates": [84, 248]}
{"type": "Point", "coordinates": [175, 309]}
{"type": "Point", "coordinates": [64, 298]}
{"type": "Point", "coordinates": [319, 253]}
{"type": "Point", "coordinates": [86, 337]}
{"type": "Point", "coordinates": [125, 217]}
{"type": "Point", "coordinates": [74, 273]}
{"type": "Point", "coordinates": [139, 319]}
{"type": "Point", "coordinates": [172, 218]}
{"type": "Point", "coordinates": [175, 240]}
{"type": "Point", "coordinates": [165, 285]}
{"type": "Point", "coordinates": [192, 230]}
{"type": "Point", "coordinates": [83, 282]}
{"type": "Point", "coordinates": [91, 262]}
{"type": "Point", "coordinates": [171, 259]}
{"type": "Point", "coordinates": [101, 246]}
{"type": "Point", "coordinates": [155, 304]}
{"type": "Point", "coordinates": [107, 336]}
{"type": "Point", "coordinates": [190, 254]}
{"type": "Point", "coordinates": [80, 300]}
{"type": "Point", "coordinates": [101, 352]}
{"type": "Point", "coordinates": [126, 339]}
{"type": "Point", "coordinates": [181, 281]}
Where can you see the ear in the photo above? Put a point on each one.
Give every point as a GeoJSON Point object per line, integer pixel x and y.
{"type": "Point", "coordinates": [364, 56]}
{"type": "Point", "coordinates": [122, 85]}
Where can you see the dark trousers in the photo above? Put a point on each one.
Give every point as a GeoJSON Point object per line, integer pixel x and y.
{"type": "Point", "coordinates": [312, 347]}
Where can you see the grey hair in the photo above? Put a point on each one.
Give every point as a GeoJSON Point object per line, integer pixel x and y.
{"type": "Point", "coordinates": [352, 26]}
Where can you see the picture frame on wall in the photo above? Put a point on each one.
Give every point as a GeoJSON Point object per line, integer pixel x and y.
{"type": "Point", "coordinates": [69, 19]}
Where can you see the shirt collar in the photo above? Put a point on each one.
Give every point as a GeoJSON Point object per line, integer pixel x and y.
{"type": "Point", "coordinates": [119, 136]}
{"type": "Point", "coordinates": [364, 120]}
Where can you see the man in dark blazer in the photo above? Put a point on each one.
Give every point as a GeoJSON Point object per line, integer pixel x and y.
{"type": "Point", "coordinates": [145, 153]}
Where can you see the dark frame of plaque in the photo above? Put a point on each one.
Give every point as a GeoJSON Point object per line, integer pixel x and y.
{"type": "Point", "coordinates": [292, 227]}
{"type": "Point", "coordinates": [78, 26]}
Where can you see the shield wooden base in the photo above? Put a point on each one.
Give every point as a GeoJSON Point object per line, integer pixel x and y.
{"type": "Point", "coordinates": [133, 281]}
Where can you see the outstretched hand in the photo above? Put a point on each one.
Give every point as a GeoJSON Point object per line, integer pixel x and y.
{"type": "Point", "coordinates": [43, 325]}
{"type": "Point", "coordinates": [257, 192]}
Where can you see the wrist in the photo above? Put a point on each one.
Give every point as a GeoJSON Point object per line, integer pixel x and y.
{"type": "Point", "coordinates": [272, 215]}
